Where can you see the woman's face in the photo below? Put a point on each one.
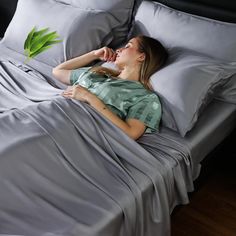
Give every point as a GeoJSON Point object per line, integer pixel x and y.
{"type": "Point", "coordinates": [129, 55]}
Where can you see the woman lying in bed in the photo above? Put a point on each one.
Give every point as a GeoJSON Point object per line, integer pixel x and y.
{"type": "Point", "coordinates": [123, 96]}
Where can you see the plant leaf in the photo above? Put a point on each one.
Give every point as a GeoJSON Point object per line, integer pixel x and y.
{"type": "Point", "coordinates": [52, 42]}
{"type": "Point", "coordinates": [39, 51]}
{"type": "Point", "coordinates": [38, 34]}
{"type": "Point", "coordinates": [37, 44]}
{"type": "Point", "coordinates": [38, 41]}
{"type": "Point", "coordinates": [29, 37]}
{"type": "Point", "coordinates": [41, 32]}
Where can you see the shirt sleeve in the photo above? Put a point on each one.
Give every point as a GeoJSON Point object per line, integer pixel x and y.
{"type": "Point", "coordinates": [77, 75]}
{"type": "Point", "coordinates": [148, 110]}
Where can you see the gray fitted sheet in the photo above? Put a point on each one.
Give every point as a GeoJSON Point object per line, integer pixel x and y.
{"type": "Point", "coordinates": [216, 123]}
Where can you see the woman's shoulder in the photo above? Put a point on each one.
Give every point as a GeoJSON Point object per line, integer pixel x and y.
{"type": "Point", "coordinates": [151, 96]}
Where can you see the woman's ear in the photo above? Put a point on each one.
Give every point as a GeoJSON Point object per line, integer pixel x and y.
{"type": "Point", "coordinates": [142, 57]}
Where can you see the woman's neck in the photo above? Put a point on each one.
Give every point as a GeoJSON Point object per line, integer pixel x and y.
{"type": "Point", "coordinates": [130, 73]}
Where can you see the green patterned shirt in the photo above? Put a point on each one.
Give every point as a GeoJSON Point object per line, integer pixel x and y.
{"type": "Point", "coordinates": [126, 98]}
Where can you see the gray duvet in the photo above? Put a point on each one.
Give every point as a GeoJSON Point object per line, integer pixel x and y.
{"type": "Point", "coordinates": [65, 170]}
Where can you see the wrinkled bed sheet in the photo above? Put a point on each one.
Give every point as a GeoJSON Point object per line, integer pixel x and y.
{"type": "Point", "coordinates": [65, 170]}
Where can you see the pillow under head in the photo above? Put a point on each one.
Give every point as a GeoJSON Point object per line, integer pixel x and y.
{"type": "Point", "coordinates": [187, 84]}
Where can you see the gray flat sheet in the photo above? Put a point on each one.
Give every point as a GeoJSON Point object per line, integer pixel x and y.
{"type": "Point", "coordinates": [213, 126]}
{"type": "Point", "coordinates": [65, 170]}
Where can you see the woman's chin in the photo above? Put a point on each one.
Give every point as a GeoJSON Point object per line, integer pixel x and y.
{"type": "Point", "coordinates": [118, 64]}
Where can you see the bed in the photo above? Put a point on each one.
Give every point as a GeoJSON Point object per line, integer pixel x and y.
{"type": "Point", "coordinates": [65, 170]}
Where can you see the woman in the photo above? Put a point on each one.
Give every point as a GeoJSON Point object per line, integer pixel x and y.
{"type": "Point", "coordinates": [124, 96]}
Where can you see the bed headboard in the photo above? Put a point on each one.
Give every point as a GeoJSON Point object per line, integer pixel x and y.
{"type": "Point", "coordinates": [224, 10]}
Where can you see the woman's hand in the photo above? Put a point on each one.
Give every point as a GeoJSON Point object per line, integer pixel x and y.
{"type": "Point", "coordinates": [80, 93]}
{"type": "Point", "coordinates": [105, 54]}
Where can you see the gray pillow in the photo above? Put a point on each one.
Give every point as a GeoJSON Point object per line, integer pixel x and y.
{"type": "Point", "coordinates": [122, 10]}
{"type": "Point", "coordinates": [80, 29]}
{"type": "Point", "coordinates": [187, 84]}
{"type": "Point", "coordinates": [178, 29]}
{"type": "Point", "coordinates": [228, 92]}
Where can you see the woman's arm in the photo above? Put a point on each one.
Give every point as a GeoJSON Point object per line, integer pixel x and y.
{"type": "Point", "coordinates": [132, 127]}
{"type": "Point", "coordinates": [63, 70]}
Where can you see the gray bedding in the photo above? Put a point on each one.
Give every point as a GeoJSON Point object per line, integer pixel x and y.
{"type": "Point", "coordinates": [65, 170]}
{"type": "Point", "coordinates": [213, 126]}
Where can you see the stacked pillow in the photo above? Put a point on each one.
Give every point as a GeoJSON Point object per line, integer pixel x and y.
{"type": "Point", "coordinates": [179, 29]}
{"type": "Point", "coordinates": [202, 60]}
{"type": "Point", "coordinates": [82, 25]}
{"type": "Point", "coordinates": [122, 10]}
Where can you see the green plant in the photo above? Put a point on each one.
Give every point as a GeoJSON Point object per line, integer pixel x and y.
{"type": "Point", "coordinates": [39, 41]}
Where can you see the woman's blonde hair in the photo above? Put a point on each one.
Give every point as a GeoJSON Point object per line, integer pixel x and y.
{"type": "Point", "coordinates": [101, 70]}
{"type": "Point", "coordinates": [155, 57]}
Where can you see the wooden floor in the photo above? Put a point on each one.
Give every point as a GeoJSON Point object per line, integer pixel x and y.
{"type": "Point", "coordinates": [212, 208]}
